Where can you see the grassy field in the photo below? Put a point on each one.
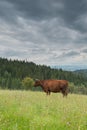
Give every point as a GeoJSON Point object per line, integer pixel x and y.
{"type": "Point", "coordinates": [26, 110]}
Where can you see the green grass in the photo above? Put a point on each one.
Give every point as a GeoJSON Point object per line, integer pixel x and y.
{"type": "Point", "coordinates": [26, 110]}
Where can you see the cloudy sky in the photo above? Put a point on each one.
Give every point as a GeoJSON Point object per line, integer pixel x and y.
{"type": "Point", "coordinates": [50, 32]}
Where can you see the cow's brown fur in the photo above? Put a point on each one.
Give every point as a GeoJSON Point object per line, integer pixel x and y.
{"type": "Point", "coordinates": [53, 86]}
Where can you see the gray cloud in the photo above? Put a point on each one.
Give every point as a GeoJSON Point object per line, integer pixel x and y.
{"type": "Point", "coordinates": [72, 12]}
{"type": "Point", "coordinates": [84, 50]}
{"type": "Point", "coordinates": [71, 54]}
{"type": "Point", "coordinates": [37, 10]}
{"type": "Point", "coordinates": [8, 14]}
{"type": "Point", "coordinates": [44, 31]}
{"type": "Point", "coordinates": [67, 54]}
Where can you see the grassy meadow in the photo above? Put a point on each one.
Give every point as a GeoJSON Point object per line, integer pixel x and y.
{"type": "Point", "coordinates": [27, 110]}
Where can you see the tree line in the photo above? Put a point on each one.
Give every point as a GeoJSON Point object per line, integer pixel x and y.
{"type": "Point", "coordinates": [13, 72]}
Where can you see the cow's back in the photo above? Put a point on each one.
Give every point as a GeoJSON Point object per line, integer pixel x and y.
{"type": "Point", "coordinates": [54, 85]}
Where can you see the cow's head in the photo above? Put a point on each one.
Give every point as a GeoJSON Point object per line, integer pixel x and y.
{"type": "Point", "coordinates": [37, 83]}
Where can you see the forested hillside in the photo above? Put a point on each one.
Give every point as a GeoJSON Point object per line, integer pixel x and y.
{"type": "Point", "coordinates": [12, 72]}
{"type": "Point", "coordinates": [82, 72]}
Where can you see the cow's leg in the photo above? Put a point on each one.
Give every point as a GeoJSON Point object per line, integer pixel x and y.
{"type": "Point", "coordinates": [64, 95]}
{"type": "Point", "coordinates": [48, 92]}
{"type": "Point", "coordinates": [64, 92]}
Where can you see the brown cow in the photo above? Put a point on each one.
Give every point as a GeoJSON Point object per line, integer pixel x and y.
{"type": "Point", "coordinates": [53, 86]}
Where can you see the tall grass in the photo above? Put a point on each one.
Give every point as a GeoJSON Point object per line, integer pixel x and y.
{"type": "Point", "coordinates": [26, 110]}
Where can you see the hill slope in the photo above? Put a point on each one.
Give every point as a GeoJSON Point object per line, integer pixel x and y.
{"type": "Point", "coordinates": [13, 72]}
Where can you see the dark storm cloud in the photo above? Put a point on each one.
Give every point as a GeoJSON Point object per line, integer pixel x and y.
{"type": "Point", "coordinates": [36, 9]}
{"type": "Point", "coordinates": [71, 11]}
{"type": "Point", "coordinates": [7, 12]}
{"type": "Point", "coordinates": [45, 30]}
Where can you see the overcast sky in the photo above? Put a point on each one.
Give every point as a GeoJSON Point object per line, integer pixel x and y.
{"type": "Point", "coordinates": [50, 32]}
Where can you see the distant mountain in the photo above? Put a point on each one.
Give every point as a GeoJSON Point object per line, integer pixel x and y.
{"type": "Point", "coordinates": [70, 67]}
{"type": "Point", "coordinates": [82, 72]}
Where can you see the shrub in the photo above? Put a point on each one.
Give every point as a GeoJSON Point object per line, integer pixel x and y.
{"type": "Point", "coordinates": [27, 83]}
